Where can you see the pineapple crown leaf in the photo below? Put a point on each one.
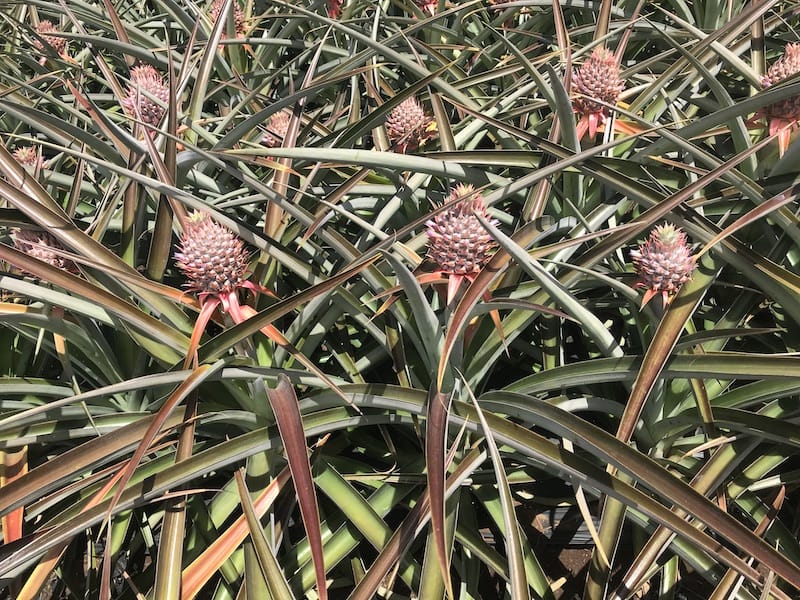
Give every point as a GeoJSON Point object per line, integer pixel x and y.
{"type": "Point", "coordinates": [667, 233]}
{"type": "Point", "coordinates": [27, 156]}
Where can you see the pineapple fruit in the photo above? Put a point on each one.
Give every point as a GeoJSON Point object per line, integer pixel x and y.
{"type": "Point", "coordinates": [459, 245]}
{"type": "Point", "coordinates": [43, 246]}
{"type": "Point", "coordinates": [146, 82]}
{"type": "Point", "coordinates": [664, 262]}
{"type": "Point", "coordinates": [597, 84]}
{"type": "Point", "coordinates": [276, 129]}
{"type": "Point", "coordinates": [784, 116]}
{"type": "Point", "coordinates": [212, 257]}
{"type": "Point", "coordinates": [408, 125]}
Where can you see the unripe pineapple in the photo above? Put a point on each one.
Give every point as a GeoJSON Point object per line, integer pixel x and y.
{"type": "Point", "coordinates": [146, 82]}
{"type": "Point", "coordinates": [783, 116]}
{"type": "Point", "coordinates": [44, 29]}
{"type": "Point", "coordinates": [408, 125]}
{"type": "Point", "coordinates": [211, 256]}
{"type": "Point", "coordinates": [42, 246]}
{"type": "Point", "coordinates": [597, 79]}
{"type": "Point", "coordinates": [459, 244]}
{"type": "Point", "coordinates": [664, 262]}
{"type": "Point", "coordinates": [238, 17]}
{"type": "Point", "coordinates": [276, 129]}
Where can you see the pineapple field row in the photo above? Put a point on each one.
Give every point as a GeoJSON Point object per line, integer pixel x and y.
{"type": "Point", "coordinates": [399, 299]}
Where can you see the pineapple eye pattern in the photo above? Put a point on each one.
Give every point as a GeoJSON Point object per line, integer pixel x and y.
{"type": "Point", "coordinates": [664, 262]}
{"type": "Point", "coordinates": [146, 81]}
{"type": "Point", "coordinates": [212, 257]}
{"type": "Point", "coordinates": [409, 126]}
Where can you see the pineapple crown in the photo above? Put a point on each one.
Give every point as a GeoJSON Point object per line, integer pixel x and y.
{"type": "Point", "coordinates": [276, 129]}
{"type": "Point", "coordinates": [663, 262]}
{"type": "Point", "coordinates": [212, 257]}
{"type": "Point", "coordinates": [43, 246]}
{"type": "Point", "coordinates": [597, 79]}
{"type": "Point", "coordinates": [668, 235]}
{"type": "Point", "coordinates": [146, 82]}
{"type": "Point", "coordinates": [459, 244]}
{"type": "Point", "coordinates": [408, 125]}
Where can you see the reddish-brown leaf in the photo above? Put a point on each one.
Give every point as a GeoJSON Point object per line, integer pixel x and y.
{"type": "Point", "coordinates": [290, 426]}
{"type": "Point", "coordinates": [435, 439]}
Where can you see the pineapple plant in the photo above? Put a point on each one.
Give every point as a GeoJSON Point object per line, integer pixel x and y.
{"type": "Point", "coordinates": [408, 125]}
{"type": "Point", "coordinates": [664, 262]}
{"type": "Point", "coordinates": [597, 83]}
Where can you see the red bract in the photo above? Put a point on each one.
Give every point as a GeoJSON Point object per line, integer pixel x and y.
{"type": "Point", "coordinates": [334, 8]}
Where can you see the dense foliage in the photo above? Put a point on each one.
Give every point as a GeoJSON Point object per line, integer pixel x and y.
{"type": "Point", "coordinates": [485, 299]}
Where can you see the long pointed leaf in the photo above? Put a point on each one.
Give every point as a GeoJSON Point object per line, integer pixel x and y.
{"type": "Point", "coordinates": [435, 458]}
{"type": "Point", "coordinates": [197, 574]}
{"type": "Point", "coordinates": [287, 415]}
{"type": "Point", "coordinates": [276, 582]}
